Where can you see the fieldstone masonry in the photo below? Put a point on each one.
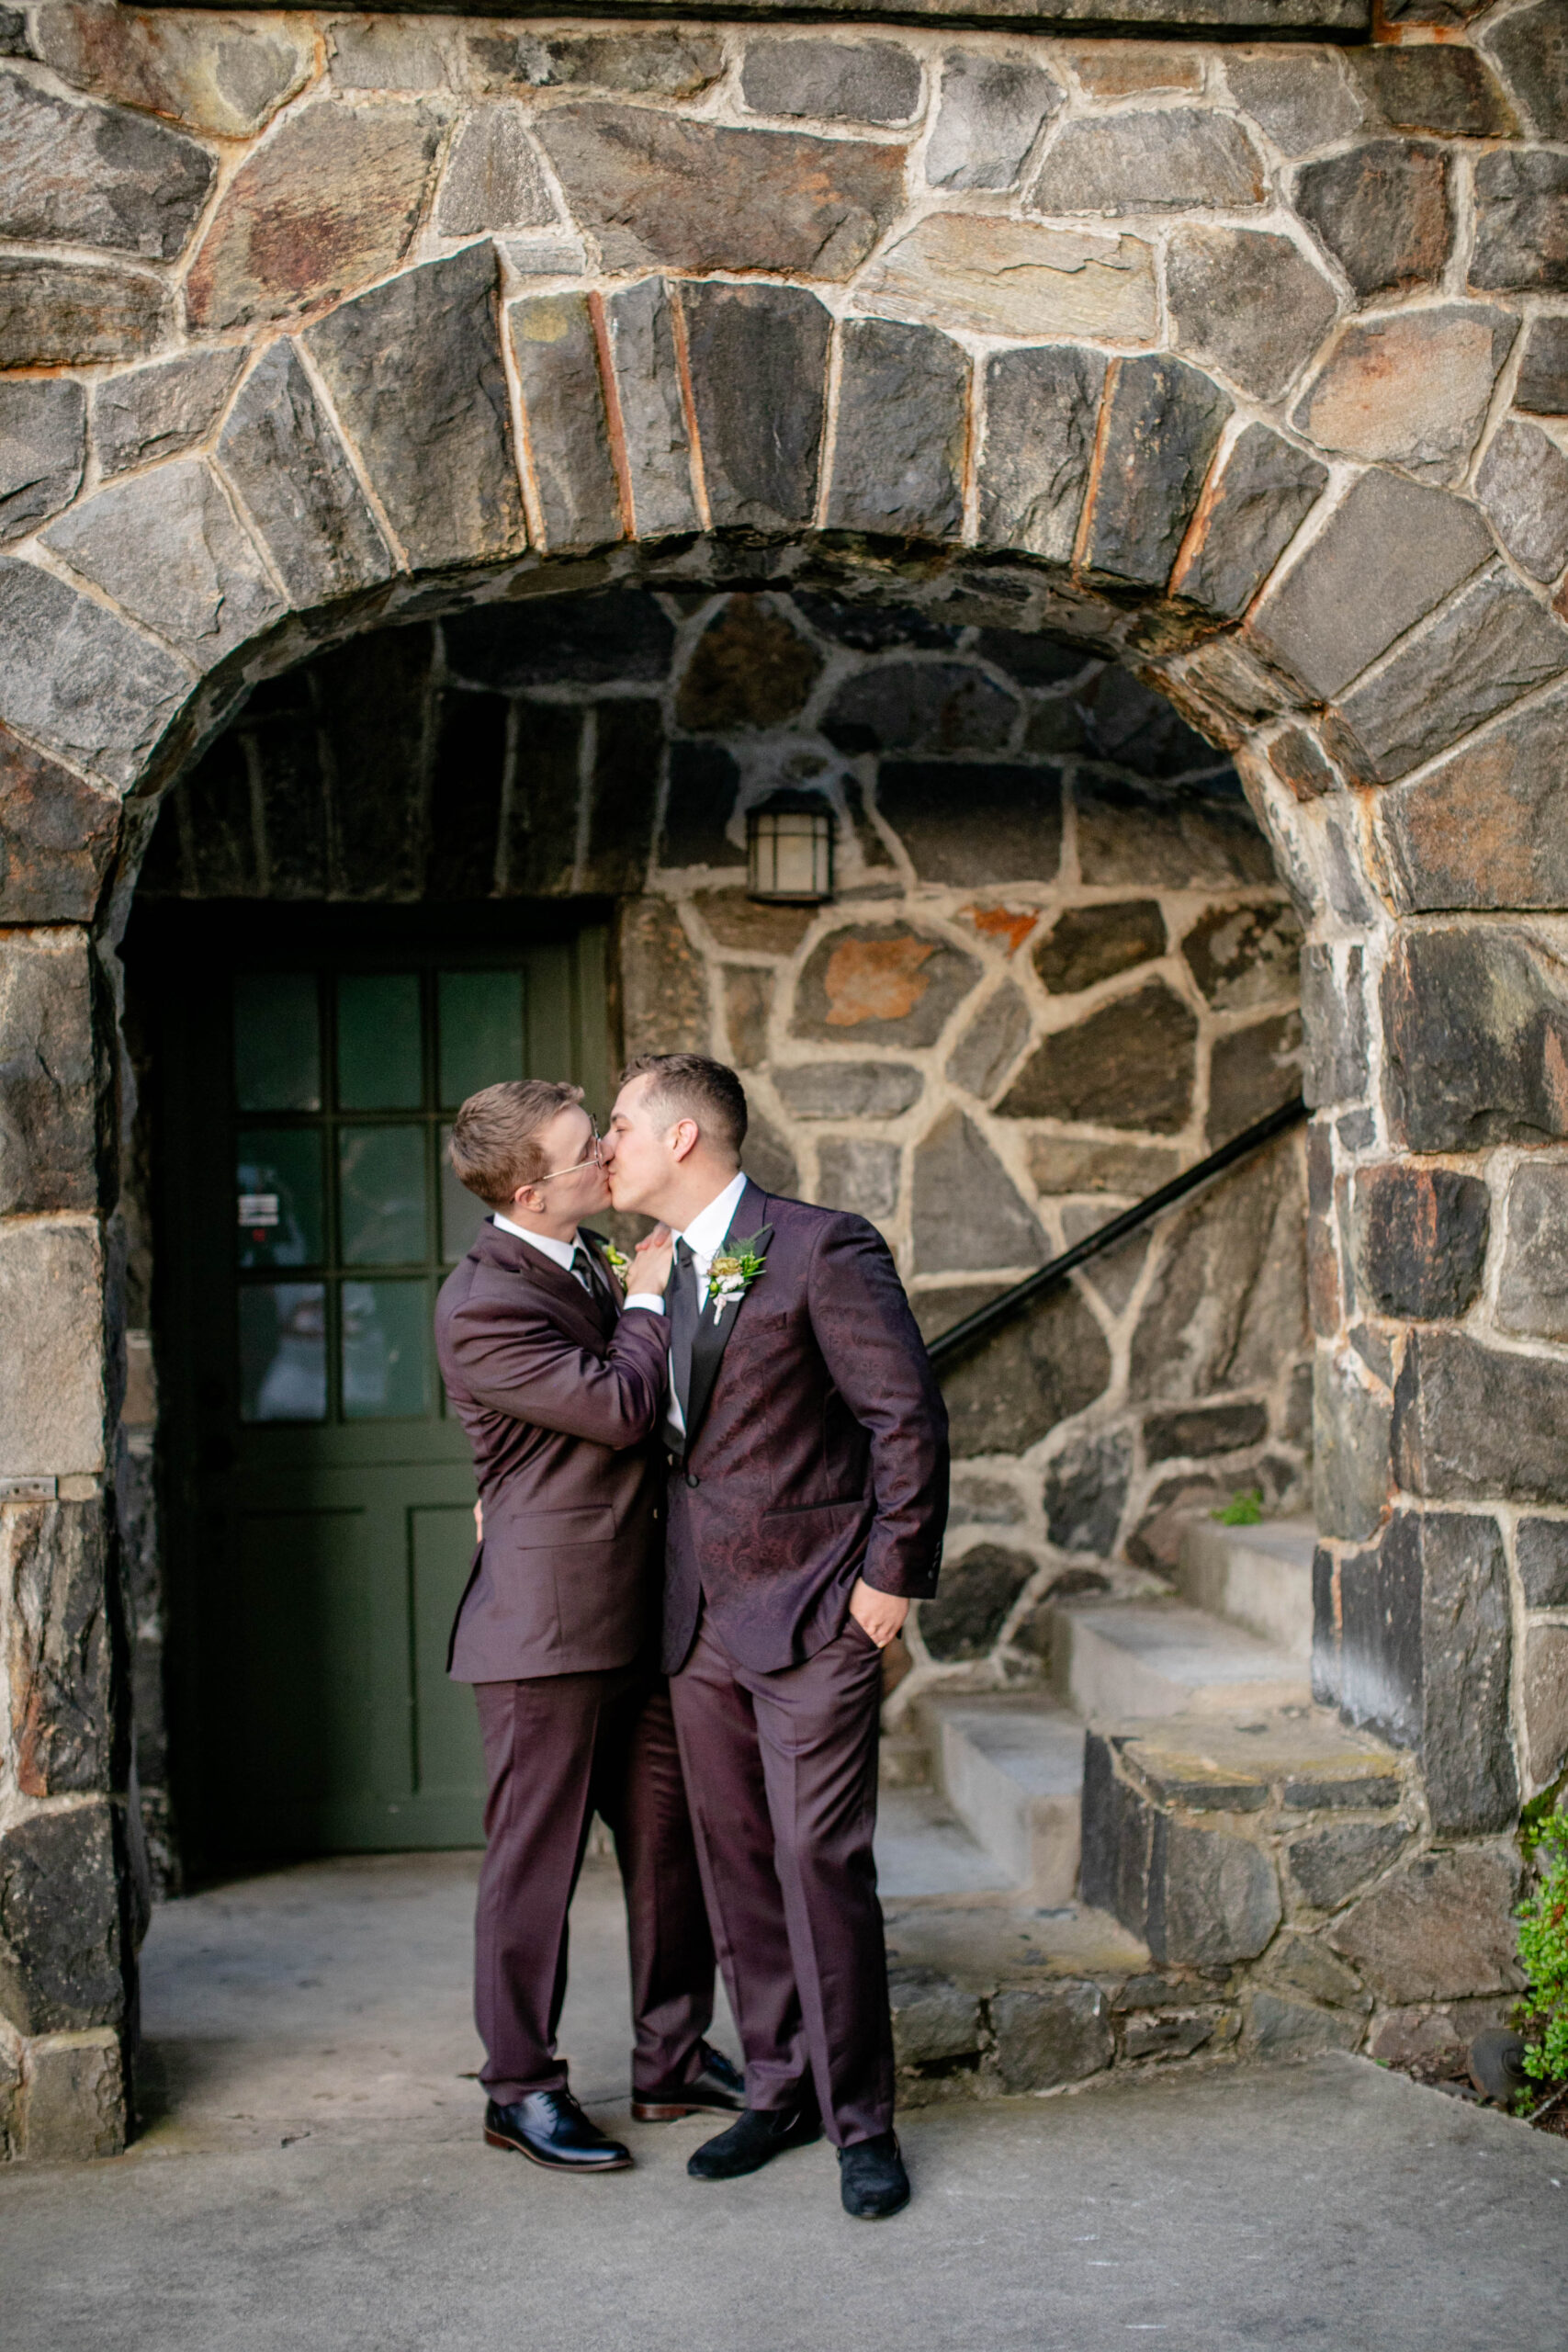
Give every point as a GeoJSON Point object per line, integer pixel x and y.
{"type": "Point", "coordinates": [1231, 374]}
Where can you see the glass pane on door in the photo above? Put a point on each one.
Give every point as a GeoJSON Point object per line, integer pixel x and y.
{"type": "Point", "coordinates": [385, 1351]}
{"type": "Point", "coordinates": [278, 1042]}
{"type": "Point", "coordinates": [379, 1059]}
{"type": "Point", "coordinates": [277, 1177]}
{"type": "Point", "coordinates": [481, 1032]}
{"type": "Point", "coordinates": [283, 1352]}
{"type": "Point", "coordinates": [381, 1180]}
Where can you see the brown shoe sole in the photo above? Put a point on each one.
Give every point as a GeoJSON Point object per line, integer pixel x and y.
{"type": "Point", "coordinates": [643, 2111]}
{"type": "Point", "coordinates": [517, 2148]}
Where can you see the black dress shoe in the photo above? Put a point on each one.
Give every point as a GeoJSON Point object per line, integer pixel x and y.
{"type": "Point", "coordinates": [872, 2180]}
{"type": "Point", "coordinates": [760, 2135]}
{"type": "Point", "coordinates": [717, 2089]}
{"type": "Point", "coordinates": [551, 2129]}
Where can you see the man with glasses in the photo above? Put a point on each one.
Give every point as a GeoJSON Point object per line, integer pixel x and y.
{"type": "Point", "coordinates": [560, 1385]}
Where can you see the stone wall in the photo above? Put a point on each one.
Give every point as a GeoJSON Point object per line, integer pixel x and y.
{"type": "Point", "coordinates": [1246, 368]}
{"type": "Point", "coordinates": [1058, 967]}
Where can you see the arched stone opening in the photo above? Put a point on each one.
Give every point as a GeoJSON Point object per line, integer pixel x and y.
{"type": "Point", "coordinates": [1157, 442]}
{"type": "Point", "coordinates": [1058, 967]}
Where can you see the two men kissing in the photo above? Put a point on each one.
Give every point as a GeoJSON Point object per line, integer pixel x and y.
{"type": "Point", "coordinates": [708, 1495]}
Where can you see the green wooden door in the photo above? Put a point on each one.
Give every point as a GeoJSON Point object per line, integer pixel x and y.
{"type": "Point", "coordinates": [326, 1500]}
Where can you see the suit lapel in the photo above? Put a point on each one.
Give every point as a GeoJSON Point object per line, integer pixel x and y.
{"type": "Point", "coordinates": [563, 1290]}
{"type": "Point", "coordinates": [712, 1335]}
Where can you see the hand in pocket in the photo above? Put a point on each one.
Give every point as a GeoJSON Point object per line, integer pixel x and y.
{"type": "Point", "coordinates": [879, 1615]}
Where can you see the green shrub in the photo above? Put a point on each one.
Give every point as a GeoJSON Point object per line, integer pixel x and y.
{"type": "Point", "coordinates": [1244, 1508]}
{"type": "Point", "coordinates": [1543, 1946]}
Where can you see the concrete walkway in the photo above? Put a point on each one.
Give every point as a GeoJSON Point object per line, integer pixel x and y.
{"type": "Point", "coordinates": [314, 2178]}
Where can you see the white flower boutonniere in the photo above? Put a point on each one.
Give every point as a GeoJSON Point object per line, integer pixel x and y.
{"type": "Point", "coordinates": [732, 1273]}
{"type": "Point", "coordinates": [619, 1261]}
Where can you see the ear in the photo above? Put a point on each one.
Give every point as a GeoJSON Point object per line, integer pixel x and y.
{"type": "Point", "coordinates": [684, 1138]}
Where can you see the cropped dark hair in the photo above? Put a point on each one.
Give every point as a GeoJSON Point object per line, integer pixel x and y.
{"type": "Point", "coordinates": [494, 1146]}
{"type": "Point", "coordinates": [690, 1086]}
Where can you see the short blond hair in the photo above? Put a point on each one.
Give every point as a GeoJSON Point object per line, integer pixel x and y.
{"type": "Point", "coordinates": [494, 1146]}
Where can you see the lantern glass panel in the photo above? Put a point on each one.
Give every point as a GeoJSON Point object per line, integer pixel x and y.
{"type": "Point", "coordinates": [792, 854]}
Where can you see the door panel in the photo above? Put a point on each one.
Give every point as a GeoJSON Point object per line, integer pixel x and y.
{"type": "Point", "coordinates": [319, 1521]}
{"type": "Point", "coordinates": [447, 1764]}
{"type": "Point", "coordinates": [303, 1719]}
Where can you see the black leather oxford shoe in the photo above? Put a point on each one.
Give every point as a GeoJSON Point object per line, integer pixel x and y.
{"type": "Point", "coordinates": [872, 2180]}
{"type": "Point", "coordinates": [550, 2129]}
{"type": "Point", "coordinates": [754, 2140]}
{"type": "Point", "coordinates": [716, 2088]}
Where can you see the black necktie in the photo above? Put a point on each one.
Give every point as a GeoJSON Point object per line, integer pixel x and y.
{"type": "Point", "coordinates": [590, 1274]}
{"type": "Point", "coordinates": [684, 1316]}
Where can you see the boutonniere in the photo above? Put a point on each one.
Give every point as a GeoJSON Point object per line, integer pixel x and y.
{"type": "Point", "coordinates": [619, 1263]}
{"type": "Point", "coordinates": [732, 1273]}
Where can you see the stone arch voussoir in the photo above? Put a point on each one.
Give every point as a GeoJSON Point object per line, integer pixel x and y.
{"type": "Point", "coordinates": [425, 440]}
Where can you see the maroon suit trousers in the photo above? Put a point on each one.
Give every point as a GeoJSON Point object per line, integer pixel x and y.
{"type": "Point", "coordinates": [558, 1749]}
{"type": "Point", "coordinates": [781, 1770]}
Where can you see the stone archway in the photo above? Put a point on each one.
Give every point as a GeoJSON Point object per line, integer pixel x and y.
{"type": "Point", "coordinates": [1254, 442]}
{"type": "Point", "coordinates": [1058, 966]}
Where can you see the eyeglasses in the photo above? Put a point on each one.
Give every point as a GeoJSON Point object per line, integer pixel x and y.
{"type": "Point", "coordinates": [593, 1161]}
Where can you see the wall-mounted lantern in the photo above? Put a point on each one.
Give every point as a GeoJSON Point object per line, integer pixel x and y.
{"type": "Point", "coordinates": [789, 844]}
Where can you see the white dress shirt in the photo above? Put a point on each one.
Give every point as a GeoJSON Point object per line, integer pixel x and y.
{"type": "Point", "coordinates": [704, 1238]}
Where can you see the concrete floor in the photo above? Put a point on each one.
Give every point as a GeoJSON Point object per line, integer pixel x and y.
{"type": "Point", "coordinates": [312, 2178]}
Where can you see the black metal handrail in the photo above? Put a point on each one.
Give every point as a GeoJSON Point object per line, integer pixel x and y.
{"type": "Point", "coordinates": [947, 1345]}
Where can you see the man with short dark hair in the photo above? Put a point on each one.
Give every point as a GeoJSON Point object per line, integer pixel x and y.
{"type": "Point", "coordinates": [561, 1388]}
{"type": "Point", "coordinates": [808, 1446]}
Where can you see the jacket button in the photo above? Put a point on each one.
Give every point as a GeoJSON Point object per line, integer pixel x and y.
{"type": "Point", "coordinates": [693, 1479]}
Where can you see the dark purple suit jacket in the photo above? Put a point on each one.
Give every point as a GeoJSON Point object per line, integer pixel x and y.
{"type": "Point", "coordinates": [816, 1449]}
{"type": "Point", "coordinates": [559, 1398]}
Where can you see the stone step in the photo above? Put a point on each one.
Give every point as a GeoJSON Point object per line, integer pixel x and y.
{"type": "Point", "coordinates": [1121, 1658]}
{"type": "Point", "coordinates": [1258, 1577]}
{"type": "Point", "coordinates": [905, 1759]}
{"type": "Point", "coordinates": [1012, 1771]}
{"type": "Point", "coordinates": [925, 1854]}
{"type": "Point", "coordinates": [1199, 1829]}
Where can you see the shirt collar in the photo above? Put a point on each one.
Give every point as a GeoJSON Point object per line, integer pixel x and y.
{"type": "Point", "coordinates": [708, 1227]}
{"type": "Point", "coordinates": [562, 1252]}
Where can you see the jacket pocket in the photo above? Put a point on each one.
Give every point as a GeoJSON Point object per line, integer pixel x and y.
{"type": "Point", "coordinates": [814, 1537]}
{"type": "Point", "coordinates": [539, 1531]}
{"type": "Point", "coordinates": [798, 1510]}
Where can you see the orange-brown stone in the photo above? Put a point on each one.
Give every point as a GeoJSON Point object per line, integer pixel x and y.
{"type": "Point", "coordinates": [874, 979]}
{"type": "Point", "coordinates": [1012, 925]}
{"type": "Point", "coordinates": [219, 74]}
{"type": "Point", "coordinates": [328, 205]}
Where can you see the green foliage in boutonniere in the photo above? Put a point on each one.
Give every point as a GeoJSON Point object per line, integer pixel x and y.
{"type": "Point", "coordinates": [619, 1261]}
{"type": "Point", "coordinates": [732, 1273]}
